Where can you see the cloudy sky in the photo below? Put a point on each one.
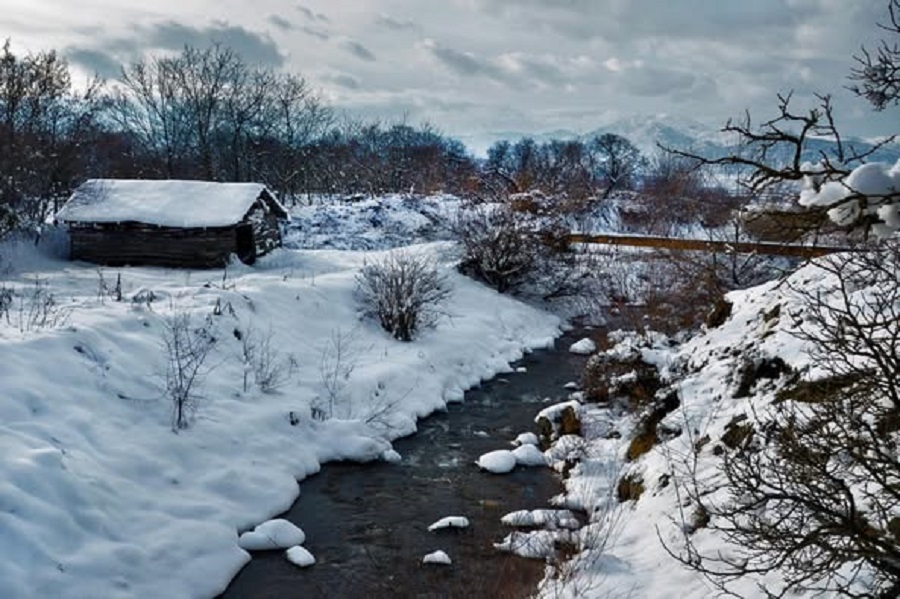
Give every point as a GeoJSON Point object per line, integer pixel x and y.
{"type": "Point", "coordinates": [473, 67]}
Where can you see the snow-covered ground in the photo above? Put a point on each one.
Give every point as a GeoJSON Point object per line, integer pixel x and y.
{"type": "Point", "coordinates": [371, 223]}
{"type": "Point", "coordinates": [100, 498]}
{"type": "Point", "coordinates": [628, 555]}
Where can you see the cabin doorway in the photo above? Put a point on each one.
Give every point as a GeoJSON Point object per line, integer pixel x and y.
{"type": "Point", "coordinates": [244, 244]}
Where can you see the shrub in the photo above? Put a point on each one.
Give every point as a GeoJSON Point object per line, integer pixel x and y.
{"type": "Point", "coordinates": [499, 245]}
{"type": "Point", "coordinates": [186, 348]}
{"type": "Point", "coordinates": [404, 292]}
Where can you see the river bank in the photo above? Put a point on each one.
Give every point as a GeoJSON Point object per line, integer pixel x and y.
{"type": "Point", "coordinates": [367, 523]}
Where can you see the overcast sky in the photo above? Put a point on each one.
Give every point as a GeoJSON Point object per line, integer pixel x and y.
{"type": "Point", "coordinates": [478, 66]}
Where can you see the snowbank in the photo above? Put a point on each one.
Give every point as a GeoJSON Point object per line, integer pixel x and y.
{"type": "Point", "coordinates": [99, 498]}
{"type": "Point", "coordinates": [625, 539]}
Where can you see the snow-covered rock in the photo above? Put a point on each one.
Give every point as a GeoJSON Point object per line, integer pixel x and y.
{"type": "Point", "coordinates": [438, 558]}
{"type": "Point", "coordinates": [299, 556]}
{"type": "Point", "coordinates": [391, 457]}
{"type": "Point", "coordinates": [526, 439]}
{"type": "Point", "coordinates": [585, 347]}
{"type": "Point", "coordinates": [529, 455]}
{"type": "Point", "coordinates": [273, 534]}
{"type": "Point", "coordinates": [534, 544]}
{"type": "Point", "coordinates": [450, 522]}
{"type": "Point", "coordinates": [548, 518]}
{"type": "Point", "coordinates": [500, 461]}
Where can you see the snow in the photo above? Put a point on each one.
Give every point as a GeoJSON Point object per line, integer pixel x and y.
{"type": "Point", "coordinates": [299, 556]}
{"type": "Point", "coordinates": [534, 544]}
{"type": "Point", "coordinates": [273, 534]}
{"type": "Point", "coordinates": [624, 541]}
{"type": "Point", "coordinates": [526, 439]}
{"type": "Point", "coordinates": [550, 518]}
{"type": "Point", "coordinates": [371, 223]}
{"type": "Point", "coordinates": [500, 461]}
{"type": "Point", "coordinates": [878, 182]}
{"type": "Point", "coordinates": [585, 347]}
{"type": "Point", "coordinates": [450, 522]}
{"type": "Point", "coordinates": [391, 457]}
{"type": "Point", "coordinates": [169, 203]}
{"type": "Point", "coordinates": [438, 558]}
{"type": "Point", "coordinates": [529, 455]}
{"type": "Point", "coordinates": [99, 498]}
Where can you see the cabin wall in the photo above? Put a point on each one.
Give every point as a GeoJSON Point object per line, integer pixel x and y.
{"type": "Point", "coordinates": [266, 229]}
{"type": "Point", "coordinates": [119, 244]}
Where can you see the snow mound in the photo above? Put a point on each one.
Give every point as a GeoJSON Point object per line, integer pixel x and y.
{"type": "Point", "coordinates": [501, 461]}
{"type": "Point", "coordinates": [450, 522]}
{"type": "Point", "coordinates": [526, 439]}
{"type": "Point", "coordinates": [299, 556]}
{"type": "Point", "coordinates": [437, 557]}
{"type": "Point", "coordinates": [585, 347]}
{"type": "Point", "coordinates": [529, 455]}
{"type": "Point", "coordinates": [391, 457]}
{"type": "Point", "coordinates": [274, 534]}
{"type": "Point", "coordinates": [548, 518]}
{"type": "Point", "coordinates": [535, 544]}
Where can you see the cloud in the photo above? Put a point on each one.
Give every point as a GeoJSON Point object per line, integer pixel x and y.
{"type": "Point", "coordinates": [94, 61]}
{"type": "Point", "coordinates": [465, 63]}
{"type": "Point", "coordinates": [393, 24]}
{"type": "Point", "coordinates": [255, 48]}
{"type": "Point", "coordinates": [549, 69]}
{"type": "Point", "coordinates": [344, 80]}
{"type": "Point", "coordinates": [107, 57]}
{"type": "Point", "coordinates": [358, 50]}
{"type": "Point", "coordinates": [280, 22]}
{"type": "Point", "coordinates": [316, 33]}
{"type": "Point", "coordinates": [311, 15]}
{"type": "Point", "coordinates": [655, 81]}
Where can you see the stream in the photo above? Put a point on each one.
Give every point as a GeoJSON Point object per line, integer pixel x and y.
{"type": "Point", "coordinates": [367, 524]}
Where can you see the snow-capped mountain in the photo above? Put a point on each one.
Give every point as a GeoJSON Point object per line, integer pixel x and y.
{"type": "Point", "coordinates": [649, 132]}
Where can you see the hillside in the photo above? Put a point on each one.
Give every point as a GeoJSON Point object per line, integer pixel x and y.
{"type": "Point", "coordinates": [653, 479]}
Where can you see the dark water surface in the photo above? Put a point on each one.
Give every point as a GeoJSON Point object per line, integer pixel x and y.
{"type": "Point", "coordinates": [367, 524]}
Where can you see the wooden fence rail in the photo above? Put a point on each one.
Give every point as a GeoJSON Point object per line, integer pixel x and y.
{"type": "Point", "coordinates": [741, 247]}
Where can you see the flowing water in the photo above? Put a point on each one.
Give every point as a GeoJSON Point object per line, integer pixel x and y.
{"type": "Point", "coordinates": [367, 524]}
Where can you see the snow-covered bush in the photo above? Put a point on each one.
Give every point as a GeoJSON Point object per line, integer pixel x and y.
{"type": "Point", "coordinates": [269, 367]}
{"type": "Point", "coordinates": [499, 245]}
{"type": "Point", "coordinates": [186, 348]}
{"type": "Point", "coordinates": [513, 249]}
{"type": "Point", "coordinates": [404, 291]}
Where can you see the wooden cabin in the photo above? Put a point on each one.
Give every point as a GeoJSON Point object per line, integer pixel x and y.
{"type": "Point", "coordinates": [194, 224]}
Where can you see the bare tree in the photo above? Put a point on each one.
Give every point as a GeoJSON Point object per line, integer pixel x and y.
{"type": "Point", "coordinates": [150, 105]}
{"type": "Point", "coordinates": [877, 73]}
{"type": "Point", "coordinates": [45, 130]}
{"type": "Point", "coordinates": [616, 160]}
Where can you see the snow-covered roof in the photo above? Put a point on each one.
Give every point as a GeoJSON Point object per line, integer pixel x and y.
{"type": "Point", "coordinates": [168, 203]}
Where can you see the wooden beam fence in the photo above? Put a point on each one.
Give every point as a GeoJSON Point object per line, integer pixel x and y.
{"type": "Point", "coordinates": [701, 245]}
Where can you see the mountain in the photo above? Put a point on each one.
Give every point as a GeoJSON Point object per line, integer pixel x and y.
{"type": "Point", "coordinates": [648, 132]}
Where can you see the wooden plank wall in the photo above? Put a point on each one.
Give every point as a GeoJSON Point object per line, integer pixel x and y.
{"type": "Point", "coordinates": [162, 246]}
